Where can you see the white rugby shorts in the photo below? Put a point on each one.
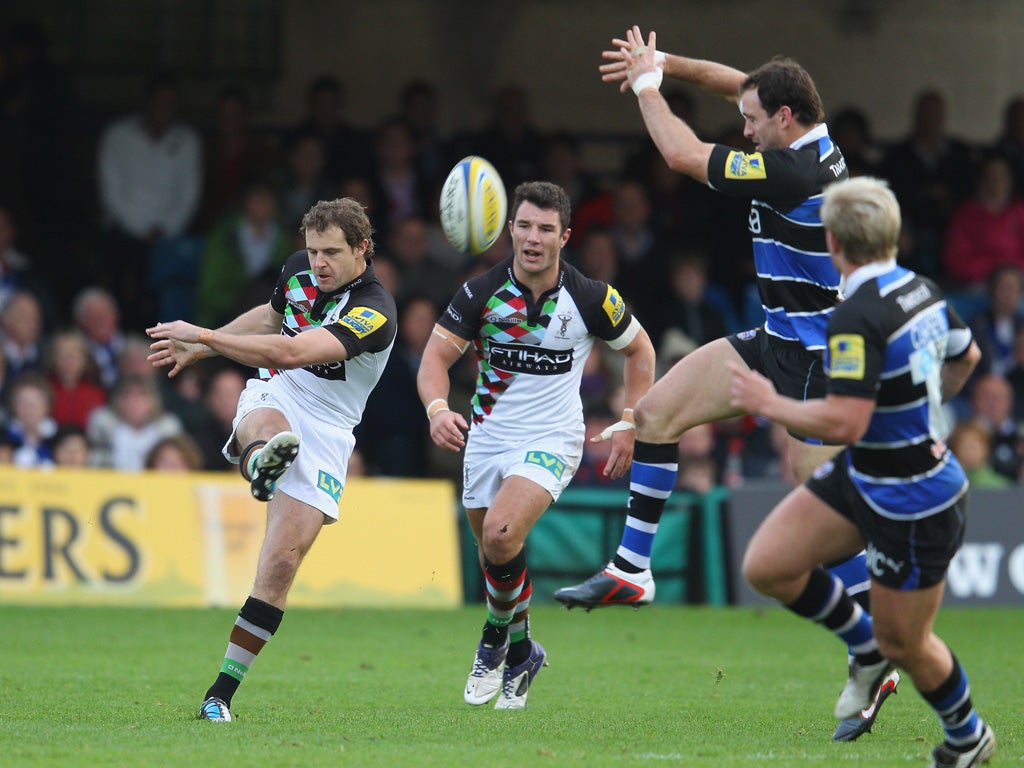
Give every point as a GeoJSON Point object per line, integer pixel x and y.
{"type": "Point", "coordinates": [317, 476]}
{"type": "Point", "coordinates": [549, 460]}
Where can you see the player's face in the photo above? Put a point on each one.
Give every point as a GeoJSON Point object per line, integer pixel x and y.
{"type": "Point", "coordinates": [334, 262]}
{"type": "Point", "coordinates": [762, 130]}
{"type": "Point", "coordinates": [537, 239]}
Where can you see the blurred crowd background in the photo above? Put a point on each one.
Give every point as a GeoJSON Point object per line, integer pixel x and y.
{"type": "Point", "coordinates": [110, 225]}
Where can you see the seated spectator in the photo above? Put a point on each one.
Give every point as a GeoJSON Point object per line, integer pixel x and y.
{"type": "Point", "coordinates": [698, 468]}
{"type": "Point", "coordinates": [346, 148]}
{"type": "Point", "coordinates": [509, 139]}
{"type": "Point", "coordinates": [150, 174]}
{"type": "Point", "coordinates": [851, 131]}
{"type": "Point", "coordinates": [1010, 143]}
{"type": "Point", "coordinates": [1016, 377]}
{"type": "Point", "coordinates": [970, 443]}
{"type": "Point", "coordinates": [6, 449]}
{"type": "Point", "coordinates": [31, 426]}
{"type": "Point", "coordinates": [562, 163]}
{"type": "Point", "coordinates": [699, 311]}
{"type": "Point", "coordinates": [73, 378]}
{"type": "Point", "coordinates": [399, 190]}
{"type": "Point", "coordinates": [306, 179]}
{"type": "Point", "coordinates": [997, 326]}
{"type": "Point", "coordinates": [70, 447]}
{"type": "Point", "coordinates": [123, 432]}
{"type": "Point", "coordinates": [987, 230]}
{"type": "Point", "coordinates": [597, 258]}
{"type": "Point", "coordinates": [931, 173]}
{"type": "Point", "coordinates": [418, 102]}
{"type": "Point", "coordinates": [220, 395]}
{"type": "Point", "coordinates": [421, 273]}
{"type": "Point", "coordinates": [233, 151]}
{"type": "Point", "coordinates": [643, 263]}
{"type": "Point", "coordinates": [393, 435]}
{"type": "Point", "coordinates": [17, 271]}
{"type": "Point", "coordinates": [699, 475]}
{"type": "Point", "coordinates": [992, 402]}
{"type": "Point", "coordinates": [21, 333]}
{"type": "Point", "coordinates": [242, 257]}
{"type": "Point", "coordinates": [96, 314]}
{"type": "Point", "coordinates": [176, 453]}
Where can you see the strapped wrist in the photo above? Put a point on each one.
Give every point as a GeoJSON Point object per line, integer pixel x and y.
{"type": "Point", "coordinates": [435, 407]}
{"type": "Point", "coordinates": [648, 80]}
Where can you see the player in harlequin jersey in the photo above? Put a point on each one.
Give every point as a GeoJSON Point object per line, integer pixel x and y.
{"type": "Point", "coordinates": [532, 321]}
{"type": "Point", "coordinates": [793, 162]}
{"type": "Point", "coordinates": [322, 340]}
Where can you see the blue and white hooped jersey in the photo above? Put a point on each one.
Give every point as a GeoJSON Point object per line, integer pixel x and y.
{"type": "Point", "coordinates": [530, 353]}
{"type": "Point", "coordinates": [888, 342]}
{"type": "Point", "coordinates": [798, 285]}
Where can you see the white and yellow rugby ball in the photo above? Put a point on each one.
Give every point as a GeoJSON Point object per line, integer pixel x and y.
{"type": "Point", "coordinates": [473, 205]}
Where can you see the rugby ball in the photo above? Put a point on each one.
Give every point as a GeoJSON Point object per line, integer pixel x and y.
{"type": "Point", "coordinates": [473, 205]}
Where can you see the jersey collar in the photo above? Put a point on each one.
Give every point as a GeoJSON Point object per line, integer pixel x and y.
{"type": "Point", "coordinates": [322, 299]}
{"type": "Point", "coordinates": [819, 131]}
{"type": "Point", "coordinates": [862, 274]}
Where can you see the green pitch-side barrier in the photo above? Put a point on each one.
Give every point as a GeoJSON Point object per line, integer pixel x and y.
{"type": "Point", "coordinates": [580, 533]}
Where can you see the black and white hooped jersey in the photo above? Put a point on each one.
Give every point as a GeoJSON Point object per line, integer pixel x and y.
{"type": "Point", "coordinates": [887, 341]}
{"type": "Point", "coordinates": [798, 285]}
{"type": "Point", "coordinates": [530, 356]}
{"type": "Point", "coordinates": [360, 314]}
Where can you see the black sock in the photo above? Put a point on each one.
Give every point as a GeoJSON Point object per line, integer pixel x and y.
{"type": "Point", "coordinates": [257, 621]}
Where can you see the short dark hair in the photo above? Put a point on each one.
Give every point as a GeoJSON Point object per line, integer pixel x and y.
{"type": "Point", "coordinates": [544, 195]}
{"type": "Point", "coordinates": [345, 213]}
{"type": "Point", "coordinates": [782, 82]}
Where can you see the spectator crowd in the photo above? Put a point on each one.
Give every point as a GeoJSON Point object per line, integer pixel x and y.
{"type": "Point", "coordinates": [193, 219]}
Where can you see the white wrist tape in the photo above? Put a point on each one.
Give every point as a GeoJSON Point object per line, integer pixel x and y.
{"type": "Point", "coordinates": [659, 57]}
{"type": "Point", "coordinates": [618, 426]}
{"type": "Point", "coordinates": [648, 80]}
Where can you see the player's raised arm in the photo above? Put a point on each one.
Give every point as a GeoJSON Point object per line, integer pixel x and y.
{"type": "Point", "coordinates": [719, 79]}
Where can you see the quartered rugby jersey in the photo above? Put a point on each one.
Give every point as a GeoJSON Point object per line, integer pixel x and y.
{"type": "Point", "coordinates": [887, 342]}
{"type": "Point", "coordinates": [530, 356]}
{"type": "Point", "coordinates": [798, 285]}
{"type": "Point", "coordinates": [360, 314]}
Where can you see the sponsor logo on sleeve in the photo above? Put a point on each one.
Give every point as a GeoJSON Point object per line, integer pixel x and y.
{"type": "Point", "coordinates": [740, 165]}
{"type": "Point", "coordinates": [614, 306]}
{"type": "Point", "coordinates": [846, 355]}
{"type": "Point", "coordinates": [363, 321]}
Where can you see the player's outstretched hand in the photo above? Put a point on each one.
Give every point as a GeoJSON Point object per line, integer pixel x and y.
{"type": "Point", "coordinates": [614, 71]}
{"type": "Point", "coordinates": [448, 430]}
{"type": "Point", "coordinates": [631, 58]}
{"type": "Point", "coordinates": [177, 345]}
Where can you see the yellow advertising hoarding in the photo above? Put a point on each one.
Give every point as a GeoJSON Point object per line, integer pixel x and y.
{"type": "Point", "coordinates": [102, 537]}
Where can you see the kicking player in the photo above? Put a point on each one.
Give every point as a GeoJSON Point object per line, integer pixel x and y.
{"type": "Point", "coordinates": [326, 335]}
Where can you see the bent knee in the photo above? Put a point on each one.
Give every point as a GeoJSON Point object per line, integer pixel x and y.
{"type": "Point", "coordinates": [500, 542]}
{"type": "Point", "coordinates": [759, 572]}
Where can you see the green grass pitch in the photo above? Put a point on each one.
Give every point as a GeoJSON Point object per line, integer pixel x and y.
{"type": "Point", "coordinates": [662, 686]}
